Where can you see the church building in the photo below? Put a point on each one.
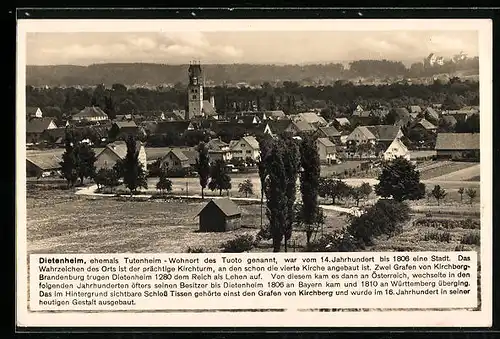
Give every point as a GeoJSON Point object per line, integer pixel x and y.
{"type": "Point", "coordinates": [197, 106]}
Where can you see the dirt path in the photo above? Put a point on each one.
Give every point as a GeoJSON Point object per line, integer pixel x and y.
{"type": "Point", "coordinates": [90, 191]}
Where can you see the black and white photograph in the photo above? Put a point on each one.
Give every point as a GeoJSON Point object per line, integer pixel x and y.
{"type": "Point", "coordinates": [195, 138]}
{"type": "Point", "coordinates": [323, 141]}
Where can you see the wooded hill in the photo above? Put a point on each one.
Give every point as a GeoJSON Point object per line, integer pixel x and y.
{"type": "Point", "coordinates": [158, 74]}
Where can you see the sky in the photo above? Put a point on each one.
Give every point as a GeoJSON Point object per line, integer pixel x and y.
{"type": "Point", "coordinates": [271, 47]}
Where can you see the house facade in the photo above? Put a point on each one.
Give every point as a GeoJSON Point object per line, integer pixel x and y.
{"type": "Point", "coordinates": [326, 151]}
{"type": "Point", "coordinates": [219, 150]}
{"type": "Point", "coordinates": [36, 126]}
{"type": "Point", "coordinates": [396, 149]}
{"type": "Point", "coordinates": [246, 147]}
{"type": "Point", "coordinates": [116, 151]}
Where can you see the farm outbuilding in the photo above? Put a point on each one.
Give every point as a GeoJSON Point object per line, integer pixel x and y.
{"type": "Point", "coordinates": [219, 215]}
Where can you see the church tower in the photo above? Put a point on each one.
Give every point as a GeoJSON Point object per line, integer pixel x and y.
{"type": "Point", "coordinates": [195, 91]}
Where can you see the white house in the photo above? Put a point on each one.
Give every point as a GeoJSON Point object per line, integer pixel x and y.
{"type": "Point", "coordinates": [396, 149]}
{"type": "Point", "coordinates": [326, 150]}
{"type": "Point", "coordinates": [115, 151]}
{"type": "Point", "coordinates": [33, 112]}
{"type": "Point", "coordinates": [246, 147]}
{"type": "Point", "coordinates": [219, 150]}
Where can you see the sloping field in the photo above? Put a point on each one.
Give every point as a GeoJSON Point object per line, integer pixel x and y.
{"type": "Point", "coordinates": [463, 174]}
{"type": "Point", "coordinates": [442, 168]}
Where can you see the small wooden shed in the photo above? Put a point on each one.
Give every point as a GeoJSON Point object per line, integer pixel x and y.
{"type": "Point", "coordinates": [219, 215]}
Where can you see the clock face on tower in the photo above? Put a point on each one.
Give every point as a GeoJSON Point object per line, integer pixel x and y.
{"type": "Point", "coordinates": [195, 80]}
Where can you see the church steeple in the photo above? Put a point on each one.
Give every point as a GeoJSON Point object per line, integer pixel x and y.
{"type": "Point", "coordinates": [195, 91]}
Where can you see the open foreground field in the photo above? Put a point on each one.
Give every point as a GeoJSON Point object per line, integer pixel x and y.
{"type": "Point", "coordinates": [58, 221]}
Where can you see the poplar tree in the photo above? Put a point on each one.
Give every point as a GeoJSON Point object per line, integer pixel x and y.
{"type": "Point", "coordinates": [309, 182]}
{"type": "Point", "coordinates": [203, 167]}
{"type": "Point", "coordinates": [291, 162]}
{"type": "Point", "coordinates": [276, 198]}
{"type": "Point", "coordinates": [134, 175]}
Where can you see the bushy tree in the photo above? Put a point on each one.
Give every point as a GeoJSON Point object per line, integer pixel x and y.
{"type": "Point", "coordinates": [309, 183]}
{"type": "Point", "coordinates": [107, 177]}
{"type": "Point", "coordinates": [471, 193]}
{"type": "Point", "coordinates": [400, 180]}
{"type": "Point", "coordinates": [246, 187]}
{"type": "Point", "coordinates": [69, 161]}
{"type": "Point", "coordinates": [86, 159]}
{"type": "Point", "coordinates": [132, 170]}
{"type": "Point", "coordinates": [203, 167]}
{"type": "Point", "coordinates": [219, 179]}
{"type": "Point", "coordinates": [385, 217]}
{"type": "Point", "coordinates": [438, 193]}
{"type": "Point", "coordinates": [333, 188]}
{"type": "Point", "coordinates": [164, 183]}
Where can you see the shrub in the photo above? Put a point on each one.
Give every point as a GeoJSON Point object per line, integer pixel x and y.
{"type": "Point", "coordinates": [195, 250]}
{"type": "Point", "coordinates": [240, 244]}
{"type": "Point", "coordinates": [437, 236]}
{"type": "Point", "coordinates": [338, 241]}
{"type": "Point", "coordinates": [471, 238]}
{"type": "Point", "coordinates": [385, 217]}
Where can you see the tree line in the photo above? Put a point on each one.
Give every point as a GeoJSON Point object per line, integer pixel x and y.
{"type": "Point", "coordinates": [338, 99]}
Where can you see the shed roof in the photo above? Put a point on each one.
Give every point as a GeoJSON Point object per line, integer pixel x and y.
{"type": "Point", "coordinates": [330, 131]}
{"type": "Point", "coordinates": [457, 141]}
{"type": "Point", "coordinates": [326, 142]}
{"type": "Point", "coordinates": [225, 205]}
{"type": "Point", "coordinates": [122, 124]}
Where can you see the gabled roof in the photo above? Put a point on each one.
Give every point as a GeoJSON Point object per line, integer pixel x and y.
{"type": "Point", "coordinates": [246, 119]}
{"type": "Point", "coordinates": [275, 114]}
{"type": "Point", "coordinates": [178, 154]}
{"type": "Point", "coordinates": [208, 108]}
{"type": "Point", "coordinates": [30, 110]}
{"type": "Point", "coordinates": [120, 148]}
{"type": "Point", "coordinates": [54, 133]}
{"type": "Point", "coordinates": [426, 124]}
{"type": "Point", "coordinates": [178, 127]}
{"type": "Point", "coordinates": [216, 145]}
{"type": "Point", "coordinates": [251, 141]}
{"type": "Point", "coordinates": [303, 126]}
{"type": "Point", "coordinates": [44, 161]}
{"type": "Point", "coordinates": [172, 116]}
{"type": "Point", "coordinates": [343, 121]}
{"type": "Point", "coordinates": [325, 142]}
{"type": "Point", "coordinates": [92, 111]}
{"type": "Point", "coordinates": [38, 125]}
{"type": "Point", "coordinates": [311, 118]}
{"type": "Point", "coordinates": [330, 131]}
{"type": "Point", "coordinates": [457, 141]}
{"type": "Point", "coordinates": [384, 132]}
{"type": "Point", "coordinates": [122, 124]}
{"type": "Point", "coordinates": [225, 205]}
{"type": "Point", "coordinates": [278, 126]}
{"type": "Point", "coordinates": [399, 143]}
{"type": "Point", "coordinates": [366, 132]}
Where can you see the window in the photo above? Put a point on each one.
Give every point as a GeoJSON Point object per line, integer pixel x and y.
{"type": "Point", "coordinates": [248, 152]}
{"type": "Point", "coordinates": [194, 96]}
{"type": "Point", "coordinates": [242, 145]}
{"type": "Point", "coordinates": [192, 90]}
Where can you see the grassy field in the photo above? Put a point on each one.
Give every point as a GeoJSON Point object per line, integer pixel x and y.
{"type": "Point", "coordinates": [442, 168]}
{"type": "Point", "coordinates": [60, 222]}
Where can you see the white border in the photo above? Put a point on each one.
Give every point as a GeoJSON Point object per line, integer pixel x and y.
{"type": "Point", "coordinates": [254, 319]}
